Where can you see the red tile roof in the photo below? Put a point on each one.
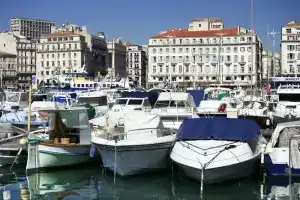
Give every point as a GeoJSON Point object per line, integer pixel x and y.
{"type": "Point", "coordinates": [292, 24]}
{"type": "Point", "coordinates": [186, 33]}
{"type": "Point", "coordinates": [128, 44]}
{"type": "Point", "coordinates": [209, 19]}
{"type": "Point", "coordinates": [62, 34]}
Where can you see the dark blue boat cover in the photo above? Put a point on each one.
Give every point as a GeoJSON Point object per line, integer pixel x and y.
{"type": "Point", "coordinates": [152, 96]}
{"type": "Point", "coordinates": [198, 95]}
{"type": "Point", "coordinates": [218, 129]}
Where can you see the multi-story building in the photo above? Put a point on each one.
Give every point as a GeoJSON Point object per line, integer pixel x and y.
{"type": "Point", "coordinates": [271, 64]}
{"type": "Point", "coordinates": [204, 53]}
{"type": "Point", "coordinates": [68, 50]}
{"type": "Point", "coordinates": [136, 64]}
{"type": "Point", "coordinates": [32, 28]}
{"type": "Point", "coordinates": [8, 54]}
{"type": "Point", "coordinates": [290, 48]}
{"type": "Point", "coordinates": [116, 59]}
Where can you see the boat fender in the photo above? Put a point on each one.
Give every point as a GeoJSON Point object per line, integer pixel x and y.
{"type": "Point", "coordinates": [222, 107]}
{"type": "Point", "coordinates": [23, 141]}
{"type": "Point", "coordinates": [6, 195]}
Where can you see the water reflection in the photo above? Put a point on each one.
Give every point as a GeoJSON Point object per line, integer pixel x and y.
{"type": "Point", "coordinates": [92, 183]}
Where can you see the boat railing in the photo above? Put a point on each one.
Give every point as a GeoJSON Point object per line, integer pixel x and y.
{"type": "Point", "coordinates": [160, 132]}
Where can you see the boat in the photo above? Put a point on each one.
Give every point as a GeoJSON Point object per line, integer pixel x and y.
{"type": "Point", "coordinates": [20, 118]}
{"type": "Point", "coordinates": [213, 150]}
{"type": "Point", "coordinates": [288, 107]}
{"type": "Point", "coordinates": [11, 151]}
{"type": "Point", "coordinates": [15, 101]}
{"type": "Point", "coordinates": [282, 151]}
{"type": "Point", "coordinates": [68, 143]}
{"type": "Point", "coordinates": [174, 107]}
{"type": "Point", "coordinates": [137, 145]}
{"type": "Point", "coordinates": [95, 101]}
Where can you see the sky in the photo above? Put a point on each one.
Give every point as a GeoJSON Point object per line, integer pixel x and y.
{"type": "Point", "coordinates": [137, 20]}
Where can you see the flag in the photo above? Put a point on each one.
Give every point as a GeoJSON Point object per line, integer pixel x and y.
{"type": "Point", "coordinates": [99, 74]}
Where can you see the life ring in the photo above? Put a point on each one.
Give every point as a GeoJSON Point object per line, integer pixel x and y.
{"type": "Point", "coordinates": [222, 107]}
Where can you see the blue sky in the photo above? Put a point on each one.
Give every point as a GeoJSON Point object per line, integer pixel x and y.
{"type": "Point", "coordinates": [137, 20]}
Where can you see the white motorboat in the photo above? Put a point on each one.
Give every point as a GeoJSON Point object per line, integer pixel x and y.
{"type": "Point", "coordinates": [288, 106]}
{"type": "Point", "coordinates": [213, 150]}
{"type": "Point", "coordinates": [139, 144]}
{"type": "Point", "coordinates": [14, 101]}
{"type": "Point", "coordinates": [282, 151]}
{"type": "Point", "coordinates": [69, 140]}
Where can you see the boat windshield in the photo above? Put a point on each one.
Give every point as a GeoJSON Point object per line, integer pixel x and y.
{"type": "Point", "coordinates": [71, 118]}
{"type": "Point", "coordinates": [121, 101]}
{"type": "Point", "coordinates": [13, 97]}
{"type": "Point", "coordinates": [285, 135]}
{"type": "Point", "coordinates": [93, 101]}
{"type": "Point", "coordinates": [172, 104]}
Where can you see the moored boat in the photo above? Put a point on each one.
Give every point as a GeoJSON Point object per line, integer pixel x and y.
{"type": "Point", "coordinates": [68, 143]}
{"type": "Point", "coordinates": [213, 150]}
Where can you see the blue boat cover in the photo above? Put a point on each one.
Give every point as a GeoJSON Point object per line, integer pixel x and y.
{"type": "Point", "coordinates": [218, 129]}
{"type": "Point", "coordinates": [198, 95]}
{"type": "Point", "coordinates": [152, 96]}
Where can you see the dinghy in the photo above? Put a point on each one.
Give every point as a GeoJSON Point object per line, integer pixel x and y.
{"type": "Point", "coordinates": [213, 150]}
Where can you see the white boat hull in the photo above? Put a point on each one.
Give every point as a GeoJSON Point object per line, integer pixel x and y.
{"type": "Point", "coordinates": [218, 162]}
{"type": "Point", "coordinates": [44, 156]}
{"type": "Point", "coordinates": [217, 175]}
{"type": "Point", "coordinates": [135, 159]}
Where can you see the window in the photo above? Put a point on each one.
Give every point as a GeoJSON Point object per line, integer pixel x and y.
{"type": "Point", "coordinates": [160, 50]}
{"type": "Point", "coordinates": [167, 50]}
{"type": "Point", "coordinates": [235, 49]}
{"type": "Point", "coordinates": [174, 50]}
{"type": "Point", "coordinates": [290, 47]}
{"type": "Point", "coordinates": [167, 69]}
{"type": "Point", "coordinates": [228, 49]}
{"type": "Point", "coordinates": [249, 58]}
{"type": "Point", "coordinates": [74, 54]}
{"type": "Point", "coordinates": [242, 69]}
{"type": "Point", "coordinates": [214, 50]}
{"type": "Point", "coordinates": [52, 55]}
{"type": "Point", "coordinates": [288, 30]}
{"type": "Point", "coordinates": [154, 69]}
{"type": "Point", "coordinates": [242, 39]}
{"type": "Point", "coordinates": [42, 63]}
{"type": "Point", "coordinates": [160, 69]}
{"type": "Point", "coordinates": [242, 58]}
{"type": "Point", "coordinates": [186, 68]}
{"type": "Point", "coordinates": [207, 50]}
{"type": "Point", "coordinates": [75, 46]}
{"type": "Point", "coordinates": [186, 50]}
{"type": "Point", "coordinates": [173, 68]}
{"type": "Point", "coordinates": [180, 69]}
{"type": "Point", "coordinates": [180, 50]}
{"type": "Point", "coordinates": [291, 56]}
{"type": "Point", "coordinates": [53, 63]}
{"type": "Point", "coordinates": [75, 62]}
{"type": "Point", "coordinates": [249, 49]}
{"type": "Point", "coordinates": [235, 68]}
{"type": "Point", "coordinates": [199, 25]}
{"type": "Point", "coordinates": [228, 58]}
{"type": "Point", "coordinates": [235, 58]}
{"type": "Point", "coordinates": [153, 50]}
{"type": "Point", "coordinates": [154, 59]}
{"type": "Point", "coordinates": [242, 49]}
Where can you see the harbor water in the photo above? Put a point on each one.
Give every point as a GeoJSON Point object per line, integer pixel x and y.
{"type": "Point", "coordinates": [94, 183]}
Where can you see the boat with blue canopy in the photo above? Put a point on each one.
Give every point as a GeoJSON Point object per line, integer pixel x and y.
{"type": "Point", "coordinates": [213, 150]}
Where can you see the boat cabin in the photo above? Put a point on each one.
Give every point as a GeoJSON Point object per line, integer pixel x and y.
{"type": "Point", "coordinates": [68, 126]}
{"type": "Point", "coordinates": [174, 102]}
{"type": "Point", "coordinates": [16, 100]}
{"type": "Point", "coordinates": [132, 103]}
{"type": "Point", "coordinates": [93, 99]}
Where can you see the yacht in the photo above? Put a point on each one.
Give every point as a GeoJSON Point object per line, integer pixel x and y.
{"type": "Point", "coordinates": [212, 150]}
{"type": "Point", "coordinates": [15, 101]}
{"type": "Point", "coordinates": [138, 145]}
{"type": "Point", "coordinates": [288, 106]}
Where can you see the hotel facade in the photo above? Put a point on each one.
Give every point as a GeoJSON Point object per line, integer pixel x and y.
{"type": "Point", "coordinates": [205, 53]}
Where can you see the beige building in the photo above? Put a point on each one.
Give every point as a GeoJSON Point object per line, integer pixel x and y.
{"type": "Point", "coordinates": [290, 48]}
{"type": "Point", "coordinates": [8, 60]}
{"type": "Point", "coordinates": [69, 50]}
{"type": "Point", "coordinates": [204, 53]}
{"type": "Point", "coordinates": [271, 64]}
{"type": "Point", "coordinates": [136, 64]}
{"type": "Point", "coordinates": [116, 59]}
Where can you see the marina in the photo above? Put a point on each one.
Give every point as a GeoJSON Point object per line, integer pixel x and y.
{"type": "Point", "coordinates": [145, 134]}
